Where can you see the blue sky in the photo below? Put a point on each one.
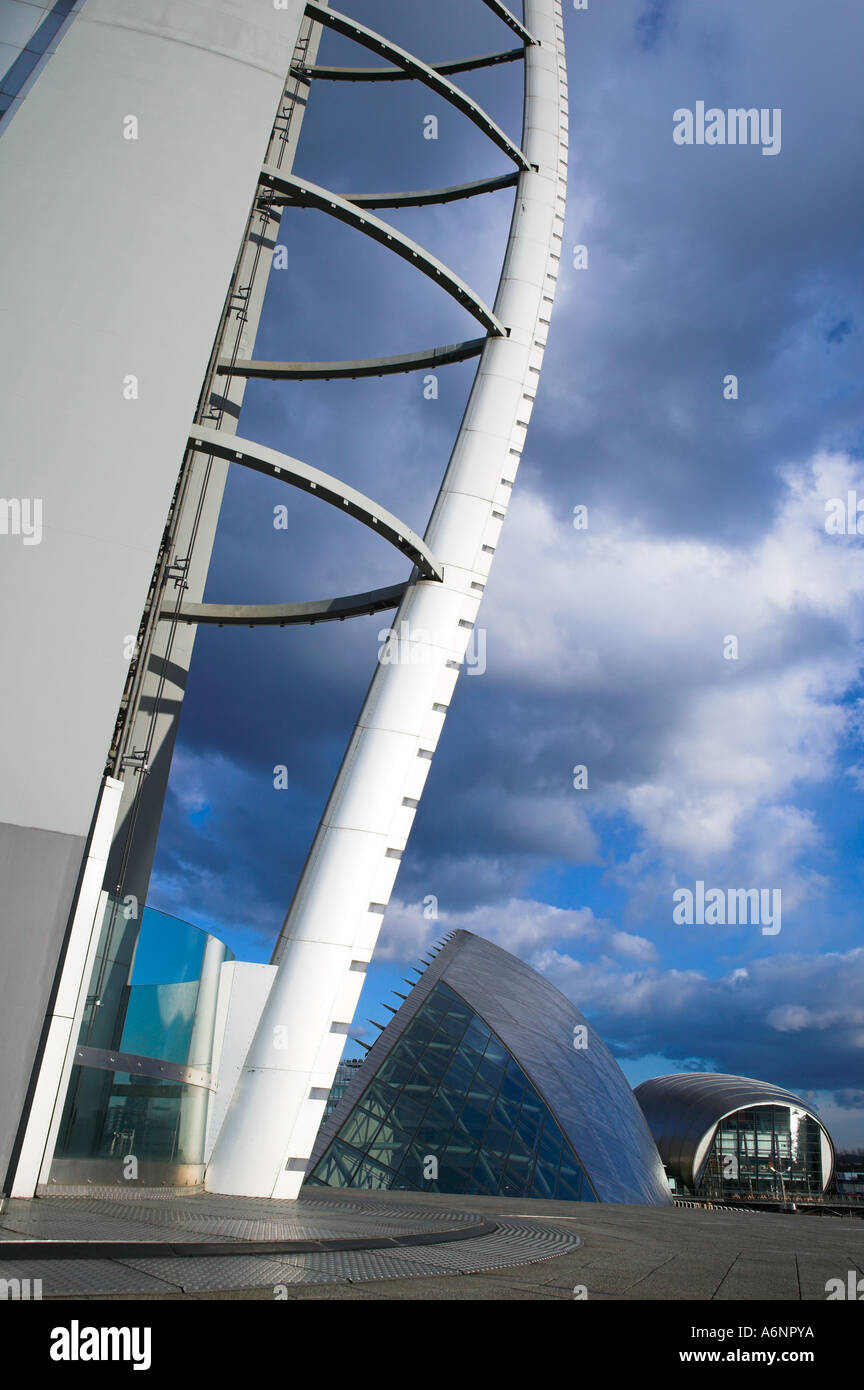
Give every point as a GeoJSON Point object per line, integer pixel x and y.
{"type": "Point", "coordinates": [605, 646]}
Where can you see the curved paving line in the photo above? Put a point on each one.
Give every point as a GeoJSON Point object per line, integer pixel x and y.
{"type": "Point", "coordinates": [142, 1249]}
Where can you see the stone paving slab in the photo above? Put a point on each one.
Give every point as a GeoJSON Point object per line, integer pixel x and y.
{"type": "Point", "coordinates": [626, 1253]}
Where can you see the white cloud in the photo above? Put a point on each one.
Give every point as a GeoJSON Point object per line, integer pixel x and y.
{"type": "Point", "coordinates": [631, 629]}
{"type": "Point", "coordinates": [523, 927]}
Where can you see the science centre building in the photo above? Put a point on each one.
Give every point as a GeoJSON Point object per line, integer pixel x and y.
{"type": "Point", "coordinates": [488, 1081]}
{"type": "Point", "coordinates": [734, 1137]}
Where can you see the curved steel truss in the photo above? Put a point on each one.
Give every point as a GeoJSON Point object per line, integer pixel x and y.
{"type": "Point", "coordinates": [304, 194]}
{"type": "Point", "coordinates": [414, 67]}
{"type": "Point", "coordinates": [329, 489]}
{"type": "Point", "coordinates": [363, 366]}
{"type": "Point", "coordinates": [333, 922]}
{"type": "Point", "coordinates": [278, 189]}
{"type": "Point", "coordinates": [420, 197]}
{"type": "Point", "coordinates": [325, 610]}
{"type": "Point", "coordinates": [331, 74]}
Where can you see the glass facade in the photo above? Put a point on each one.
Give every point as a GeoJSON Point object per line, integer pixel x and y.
{"type": "Point", "coordinates": [450, 1110]}
{"type": "Point", "coordinates": [110, 1115]}
{"type": "Point", "coordinates": [344, 1076]}
{"type": "Point", "coordinates": [163, 1024]}
{"type": "Point", "coordinates": [764, 1151]}
{"type": "Point", "coordinates": [29, 32]}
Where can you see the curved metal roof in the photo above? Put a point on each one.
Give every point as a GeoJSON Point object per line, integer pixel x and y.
{"type": "Point", "coordinates": [684, 1109]}
{"type": "Point", "coordinates": [584, 1087]}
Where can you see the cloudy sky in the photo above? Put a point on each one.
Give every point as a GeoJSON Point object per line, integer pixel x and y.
{"type": "Point", "coordinates": [607, 646]}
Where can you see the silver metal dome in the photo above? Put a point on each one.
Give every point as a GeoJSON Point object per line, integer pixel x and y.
{"type": "Point", "coordinates": [683, 1111]}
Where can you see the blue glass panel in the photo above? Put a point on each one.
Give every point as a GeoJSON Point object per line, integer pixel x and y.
{"type": "Point", "coordinates": [451, 1028]}
{"type": "Point", "coordinates": [19, 71]}
{"type": "Point", "coordinates": [476, 1036]}
{"type": "Point", "coordinates": [529, 1127]}
{"type": "Point", "coordinates": [395, 1071]}
{"type": "Point", "coordinates": [490, 1072]}
{"type": "Point", "coordinates": [432, 1067]}
{"type": "Point", "coordinates": [408, 1110]}
{"type": "Point", "coordinates": [461, 1150]}
{"type": "Point", "coordinates": [433, 1133]}
{"type": "Point", "coordinates": [420, 1030]}
{"type": "Point", "coordinates": [514, 1184]}
{"type": "Point", "coordinates": [370, 1175]}
{"type": "Point", "coordinates": [359, 1129]}
{"type": "Point", "coordinates": [378, 1097]}
{"type": "Point", "coordinates": [478, 1117]}
{"type": "Point", "coordinates": [473, 1120]}
{"type": "Point", "coordinates": [452, 1178]}
{"type": "Point", "coordinates": [488, 1170]}
{"type": "Point", "coordinates": [459, 1075]}
{"type": "Point", "coordinates": [544, 1180]}
{"type": "Point", "coordinates": [505, 1112]}
{"type": "Point", "coordinates": [389, 1146]}
{"type": "Point", "coordinates": [520, 1151]}
{"type": "Point", "coordinates": [513, 1085]}
{"type": "Point", "coordinates": [497, 1139]}
{"type": "Point", "coordinates": [45, 35]}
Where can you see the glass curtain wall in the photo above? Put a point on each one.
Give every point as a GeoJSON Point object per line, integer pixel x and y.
{"type": "Point", "coordinates": [450, 1110]}
{"type": "Point", "coordinates": [764, 1151]}
{"type": "Point", "coordinates": [140, 1085]}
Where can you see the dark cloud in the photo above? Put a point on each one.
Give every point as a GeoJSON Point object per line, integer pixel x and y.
{"type": "Point", "coordinates": [705, 515]}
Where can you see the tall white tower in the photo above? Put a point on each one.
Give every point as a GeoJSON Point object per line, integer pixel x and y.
{"type": "Point", "coordinates": [129, 159]}
{"type": "Point", "coordinates": [333, 922]}
{"type": "Point", "coordinates": [142, 147]}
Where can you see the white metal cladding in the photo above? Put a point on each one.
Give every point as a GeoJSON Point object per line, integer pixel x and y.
{"type": "Point", "coordinates": [337, 910]}
{"type": "Point", "coordinates": [108, 277]}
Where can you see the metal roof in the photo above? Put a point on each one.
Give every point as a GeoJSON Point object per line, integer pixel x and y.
{"type": "Point", "coordinates": [684, 1109]}
{"type": "Point", "coordinates": [584, 1087]}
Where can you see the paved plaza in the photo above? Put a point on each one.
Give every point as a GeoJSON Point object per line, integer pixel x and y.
{"type": "Point", "coordinates": [388, 1245]}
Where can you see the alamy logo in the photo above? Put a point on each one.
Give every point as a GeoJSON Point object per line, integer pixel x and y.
{"type": "Point", "coordinates": [720, 907]}
{"type": "Point", "coordinates": [77, 1343]}
{"type": "Point", "coordinates": [21, 516]}
{"type": "Point", "coordinates": [737, 126]}
{"type": "Point", "coordinates": [853, 1288]}
{"type": "Point", "coordinates": [415, 646]}
{"type": "Point", "coordinates": [845, 518]}
{"type": "Point", "coordinates": [20, 1290]}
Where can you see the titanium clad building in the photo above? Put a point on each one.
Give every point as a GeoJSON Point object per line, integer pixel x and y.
{"type": "Point", "coordinates": [488, 1081]}
{"type": "Point", "coordinates": [731, 1136]}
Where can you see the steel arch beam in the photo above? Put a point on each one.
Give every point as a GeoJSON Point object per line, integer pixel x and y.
{"type": "Point", "coordinates": [336, 912]}
{"type": "Point", "coordinates": [306, 194]}
{"type": "Point", "coordinates": [323, 610]}
{"type": "Point", "coordinates": [347, 499]}
{"type": "Point", "coordinates": [351, 29]}
{"type": "Point", "coordinates": [510, 20]}
{"type": "Point", "coordinates": [364, 366]}
{"type": "Point", "coordinates": [330, 74]}
{"type": "Point", "coordinates": [419, 197]}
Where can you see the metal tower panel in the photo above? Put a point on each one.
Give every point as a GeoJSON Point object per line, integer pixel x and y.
{"type": "Point", "coordinates": [265, 1142]}
{"type": "Point", "coordinates": [145, 128]}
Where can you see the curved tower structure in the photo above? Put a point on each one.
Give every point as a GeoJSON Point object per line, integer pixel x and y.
{"type": "Point", "coordinates": [130, 143]}
{"type": "Point", "coordinates": [332, 925]}
{"type": "Point", "coordinates": [140, 127]}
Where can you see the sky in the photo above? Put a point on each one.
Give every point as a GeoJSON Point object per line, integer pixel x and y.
{"type": "Point", "coordinates": [695, 647]}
